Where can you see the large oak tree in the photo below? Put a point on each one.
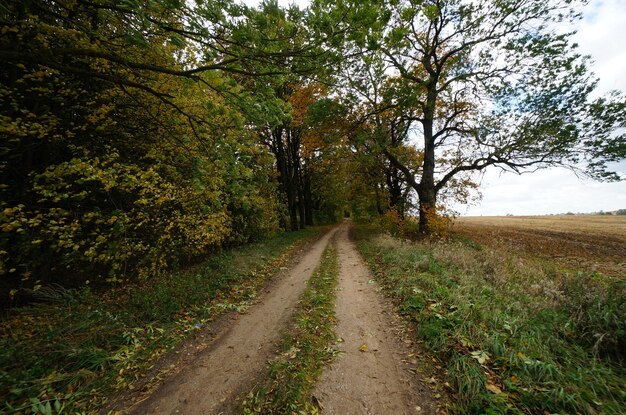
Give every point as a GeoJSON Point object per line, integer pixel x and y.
{"type": "Point", "coordinates": [496, 83]}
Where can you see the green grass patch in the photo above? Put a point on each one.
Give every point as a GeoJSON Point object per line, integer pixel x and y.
{"type": "Point", "coordinates": [72, 350]}
{"type": "Point", "coordinates": [306, 348]}
{"type": "Point", "coordinates": [515, 335]}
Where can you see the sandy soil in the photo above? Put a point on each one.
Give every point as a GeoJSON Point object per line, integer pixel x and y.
{"type": "Point", "coordinates": [594, 243]}
{"type": "Point", "coordinates": [238, 354]}
{"type": "Point", "coordinates": [374, 374]}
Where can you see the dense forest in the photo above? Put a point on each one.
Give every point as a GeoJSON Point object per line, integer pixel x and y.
{"type": "Point", "coordinates": [141, 135]}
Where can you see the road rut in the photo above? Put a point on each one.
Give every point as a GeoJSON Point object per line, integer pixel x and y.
{"type": "Point", "coordinates": [373, 374]}
{"type": "Point", "coordinates": [239, 354]}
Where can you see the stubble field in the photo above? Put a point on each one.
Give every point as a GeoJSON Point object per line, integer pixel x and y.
{"type": "Point", "coordinates": [578, 242]}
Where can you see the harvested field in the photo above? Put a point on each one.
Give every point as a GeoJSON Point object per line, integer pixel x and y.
{"type": "Point", "coordinates": [579, 242]}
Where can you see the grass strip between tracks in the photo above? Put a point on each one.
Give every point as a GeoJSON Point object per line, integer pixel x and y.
{"type": "Point", "coordinates": [305, 350]}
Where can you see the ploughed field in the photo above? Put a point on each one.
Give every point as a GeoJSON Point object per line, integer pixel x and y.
{"type": "Point", "coordinates": [580, 242]}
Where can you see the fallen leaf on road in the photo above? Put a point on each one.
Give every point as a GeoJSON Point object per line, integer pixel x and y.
{"type": "Point", "coordinates": [363, 348]}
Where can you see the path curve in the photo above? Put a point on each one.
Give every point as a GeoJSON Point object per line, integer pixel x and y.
{"type": "Point", "coordinates": [239, 354]}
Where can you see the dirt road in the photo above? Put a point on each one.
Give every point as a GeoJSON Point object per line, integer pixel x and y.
{"type": "Point", "coordinates": [229, 366]}
{"type": "Point", "coordinates": [371, 376]}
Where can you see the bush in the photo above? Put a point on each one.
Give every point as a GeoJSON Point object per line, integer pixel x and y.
{"type": "Point", "coordinates": [407, 226]}
{"type": "Point", "coordinates": [392, 222]}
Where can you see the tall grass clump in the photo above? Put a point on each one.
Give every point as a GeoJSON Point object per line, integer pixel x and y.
{"type": "Point", "coordinates": [516, 335]}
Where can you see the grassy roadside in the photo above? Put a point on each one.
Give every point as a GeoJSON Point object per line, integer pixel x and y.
{"type": "Point", "coordinates": [512, 335]}
{"type": "Point", "coordinates": [74, 349]}
{"type": "Point", "coordinates": [305, 348]}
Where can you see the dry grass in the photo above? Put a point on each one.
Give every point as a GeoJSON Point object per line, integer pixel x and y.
{"type": "Point", "coordinates": [514, 333]}
{"type": "Point", "coordinates": [588, 243]}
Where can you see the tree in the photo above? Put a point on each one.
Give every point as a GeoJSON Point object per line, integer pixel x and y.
{"type": "Point", "coordinates": [373, 122]}
{"type": "Point", "coordinates": [287, 97]}
{"type": "Point", "coordinates": [495, 83]}
{"type": "Point", "coordinates": [116, 161]}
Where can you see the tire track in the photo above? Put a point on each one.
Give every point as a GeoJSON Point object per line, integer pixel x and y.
{"type": "Point", "coordinates": [212, 381]}
{"type": "Point", "coordinates": [370, 376]}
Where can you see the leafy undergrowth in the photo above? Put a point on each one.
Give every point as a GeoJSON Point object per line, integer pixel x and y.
{"type": "Point", "coordinates": [305, 348]}
{"type": "Point", "coordinates": [514, 336]}
{"type": "Point", "coordinates": [73, 349]}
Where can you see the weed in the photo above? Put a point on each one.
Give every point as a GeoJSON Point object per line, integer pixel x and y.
{"type": "Point", "coordinates": [74, 348]}
{"type": "Point", "coordinates": [305, 348]}
{"type": "Point", "coordinates": [517, 335]}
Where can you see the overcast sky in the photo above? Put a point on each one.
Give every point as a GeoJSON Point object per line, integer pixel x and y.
{"type": "Point", "coordinates": [601, 34]}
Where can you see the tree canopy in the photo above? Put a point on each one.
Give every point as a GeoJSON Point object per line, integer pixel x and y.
{"type": "Point", "coordinates": [483, 83]}
{"type": "Point", "coordinates": [141, 135]}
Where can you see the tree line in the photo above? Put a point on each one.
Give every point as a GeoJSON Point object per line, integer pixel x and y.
{"type": "Point", "coordinates": [140, 135]}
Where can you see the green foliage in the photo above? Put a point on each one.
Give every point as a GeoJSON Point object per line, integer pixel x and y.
{"type": "Point", "coordinates": [305, 350]}
{"type": "Point", "coordinates": [516, 336]}
{"type": "Point", "coordinates": [297, 133]}
{"type": "Point", "coordinates": [484, 84]}
{"type": "Point", "coordinates": [75, 348]}
{"type": "Point", "coordinates": [114, 167]}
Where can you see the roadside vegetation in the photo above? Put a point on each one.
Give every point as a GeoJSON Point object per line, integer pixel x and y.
{"type": "Point", "coordinates": [74, 348]}
{"type": "Point", "coordinates": [138, 138]}
{"type": "Point", "coordinates": [305, 350]}
{"type": "Point", "coordinates": [511, 335]}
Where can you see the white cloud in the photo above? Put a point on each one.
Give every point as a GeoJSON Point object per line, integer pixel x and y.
{"type": "Point", "coordinates": [545, 192]}
{"type": "Point", "coordinates": [601, 34]}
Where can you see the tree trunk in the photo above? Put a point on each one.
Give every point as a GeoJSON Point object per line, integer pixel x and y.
{"type": "Point", "coordinates": [284, 169]}
{"type": "Point", "coordinates": [293, 158]}
{"type": "Point", "coordinates": [300, 183]}
{"type": "Point", "coordinates": [308, 202]}
{"type": "Point", "coordinates": [301, 208]}
{"type": "Point", "coordinates": [396, 199]}
{"type": "Point", "coordinates": [427, 206]}
{"type": "Point", "coordinates": [293, 216]}
{"type": "Point", "coordinates": [292, 197]}
{"type": "Point", "coordinates": [379, 207]}
{"type": "Point", "coordinates": [426, 189]}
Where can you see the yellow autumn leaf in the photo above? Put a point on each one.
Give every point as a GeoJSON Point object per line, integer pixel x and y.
{"type": "Point", "coordinates": [493, 388]}
{"type": "Point", "coordinates": [363, 348]}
